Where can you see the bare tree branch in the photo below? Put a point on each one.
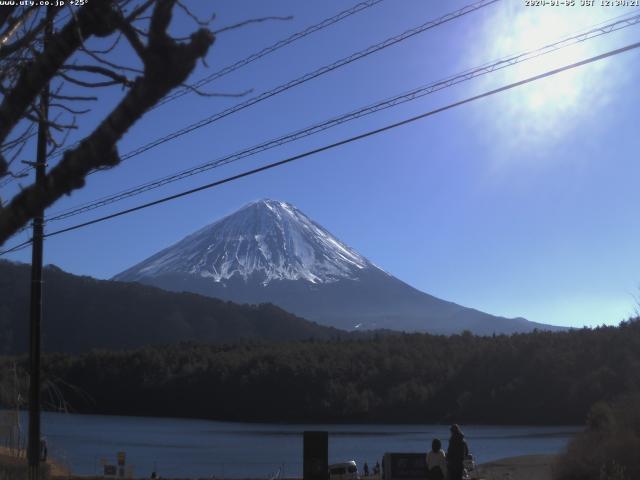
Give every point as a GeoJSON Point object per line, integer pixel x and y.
{"type": "Point", "coordinates": [49, 123]}
{"type": "Point", "coordinates": [79, 98]}
{"type": "Point", "coordinates": [5, 14]}
{"type": "Point", "coordinates": [20, 174]}
{"type": "Point", "coordinates": [139, 11]}
{"type": "Point", "coordinates": [202, 23]}
{"type": "Point", "coordinates": [106, 62]}
{"type": "Point", "coordinates": [117, 78]}
{"type": "Point", "coordinates": [216, 94]}
{"type": "Point", "coordinates": [132, 37]}
{"type": "Point", "coordinates": [167, 65]}
{"type": "Point", "coordinates": [59, 145]}
{"type": "Point", "coordinates": [24, 41]}
{"type": "Point", "coordinates": [82, 83]}
{"type": "Point", "coordinates": [248, 22]}
{"type": "Point", "coordinates": [107, 50]}
{"type": "Point", "coordinates": [13, 23]}
{"type": "Point", "coordinates": [96, 18]}
{"type": "Point", "coordinates": [17, 152]}
{"type": "Point", "coordinates": [20, 138]}
{"type": "Point", "coordinates": [69, 109]}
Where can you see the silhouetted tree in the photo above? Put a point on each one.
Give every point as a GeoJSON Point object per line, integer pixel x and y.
{"type": "Point", "coordinates": [534, 378]}
{"type": "Point", "coordinates": [28, 64]}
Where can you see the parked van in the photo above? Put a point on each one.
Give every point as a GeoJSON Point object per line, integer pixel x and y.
{"type": "Point", "coordinates": [343, 471]}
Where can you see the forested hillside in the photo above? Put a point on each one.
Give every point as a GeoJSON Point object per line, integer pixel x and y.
{"type": "Point", "coordinates": [81, 313]}
{"type": "Point", "coordinates": [536, 378]}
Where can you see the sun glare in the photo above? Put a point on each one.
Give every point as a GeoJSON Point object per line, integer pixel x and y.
{"type": "Point", "coordinates": [530, 31]}
{"type": "Point", "coordinates": [538, 113]}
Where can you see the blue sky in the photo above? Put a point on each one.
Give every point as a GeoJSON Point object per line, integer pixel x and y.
{"type": "Point", "coordinates": [521, 204]}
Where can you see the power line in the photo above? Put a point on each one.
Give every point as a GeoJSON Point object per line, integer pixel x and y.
{"type": "Point", "coordinates": [11, 178]}
{"type": "Point", "coordinates": [270, 49]}
{"type": "Point", "coordinates": [350, 139]}
{"type": "Point", "coordinates": [309, 76]}
{"type": "Point", "coordinates": [15, 248]}
{"type": "Point", "coordinates": [327, 22]}
{"type": "Point", "coordinates": [387, 103]}
{"type": "Point", "coordinates": [337, 144]}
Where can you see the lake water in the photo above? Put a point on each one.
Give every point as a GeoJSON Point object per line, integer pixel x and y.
{"type": "Point", "coordinates": [202, 449]}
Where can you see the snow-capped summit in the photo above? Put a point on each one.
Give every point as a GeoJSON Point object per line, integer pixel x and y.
{"type": "Point", "coordinates": [265, 240]}
{"type": "Point", "coordinates": [271, 252]}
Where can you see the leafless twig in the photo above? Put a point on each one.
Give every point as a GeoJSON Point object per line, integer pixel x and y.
{"type": "Point", "coordinates": [248, 22]}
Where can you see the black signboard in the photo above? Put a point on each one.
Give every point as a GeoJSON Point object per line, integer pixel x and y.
{"type": "Point", "coordinates": [316, 455]}
{"type": "Point", "coordinates": [110, 470]}
{"type": "Point", "coordinates": [406, 466]}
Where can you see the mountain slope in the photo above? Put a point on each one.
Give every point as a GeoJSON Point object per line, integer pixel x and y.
{"type": "Point", "coordinates": [265, 241]}
{"type": "Point", "coordinates": [82, 313]}
{"type": "Point", "coordinates": [269, 251]}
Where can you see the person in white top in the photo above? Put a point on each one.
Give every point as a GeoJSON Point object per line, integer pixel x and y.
{"type": "Point", "coordinates": [436, 462]}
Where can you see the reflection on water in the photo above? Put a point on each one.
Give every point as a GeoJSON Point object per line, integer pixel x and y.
{"type": "Point", "coordinates": [201, 448]}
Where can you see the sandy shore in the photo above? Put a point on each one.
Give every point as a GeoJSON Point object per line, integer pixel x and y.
{"type": "Point", "coordinates": [527, 467]}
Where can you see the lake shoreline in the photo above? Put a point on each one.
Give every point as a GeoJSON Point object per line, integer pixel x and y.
{"type": "Point", "coordinates": [193, 448]}
{"type": "Point", "coordinates": [319, 421]}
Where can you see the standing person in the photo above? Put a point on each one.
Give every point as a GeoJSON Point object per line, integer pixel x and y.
{"type": "Point", "coordinates": [456, 453]}
{"type": "Point", "coordinates": [366, 469]}
{"type": "Point", "coordinates": [43, 449]}
{"type": "Point", "coordinates": [436, 461]}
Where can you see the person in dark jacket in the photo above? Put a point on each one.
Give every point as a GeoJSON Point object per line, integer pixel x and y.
{"type": "Point", "coordinates": [43, 449]}
{"type": "Point", "coordinates": [456, 453]}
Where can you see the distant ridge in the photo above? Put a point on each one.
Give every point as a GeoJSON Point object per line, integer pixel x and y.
{"type": "Point", "coordinates": [269, 251]}
{"type": "Point", "coordinates": [82, 313]}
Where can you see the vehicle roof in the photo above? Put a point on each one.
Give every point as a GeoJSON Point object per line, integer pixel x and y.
{"type": "Point", "coordinates": [343, 464]}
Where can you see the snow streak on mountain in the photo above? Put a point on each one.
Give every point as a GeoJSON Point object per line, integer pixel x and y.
{"type": "Point", "coordinates": [266, 240]}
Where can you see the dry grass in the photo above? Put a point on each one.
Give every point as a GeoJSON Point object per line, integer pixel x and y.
{"type": "Point", "coordinates": [11, 457]}
{"type": "Point", "coordinates": [608, 448]}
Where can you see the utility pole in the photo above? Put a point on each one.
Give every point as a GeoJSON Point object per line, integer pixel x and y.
{"type": "Point", "coordinates": [35, 315]}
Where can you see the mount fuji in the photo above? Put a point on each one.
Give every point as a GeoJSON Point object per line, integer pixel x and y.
{"type": "Point", "coordinates": [271, 252]}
